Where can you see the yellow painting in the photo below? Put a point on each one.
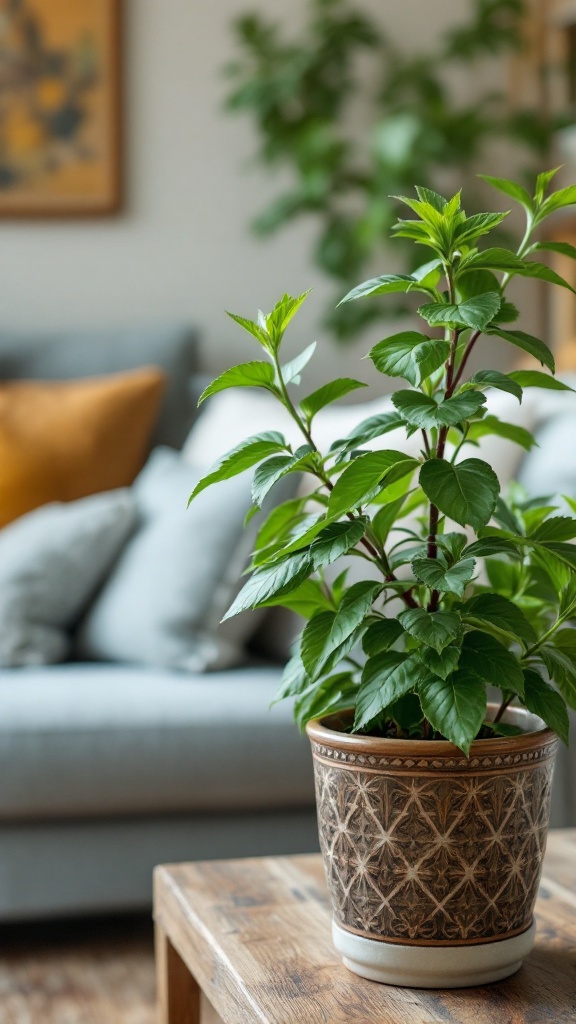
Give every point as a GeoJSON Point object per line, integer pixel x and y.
{"type": "Point", "coordinates": [59, 107]}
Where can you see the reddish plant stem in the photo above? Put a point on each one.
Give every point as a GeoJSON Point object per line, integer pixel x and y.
{"type": "Point", "coordinates": [473, 339]}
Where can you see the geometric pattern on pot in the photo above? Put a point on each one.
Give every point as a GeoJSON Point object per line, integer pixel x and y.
{"type": "Point", "coordinates": [430, 859]}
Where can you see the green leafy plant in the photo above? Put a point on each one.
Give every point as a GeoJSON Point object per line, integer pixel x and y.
{"type": "Point", "coordinates": [299, 89]}
{"type": "Point", "coordinates": [443, 612]}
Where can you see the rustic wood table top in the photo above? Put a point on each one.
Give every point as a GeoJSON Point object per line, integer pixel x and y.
{"type": "Point", "coordinates": [253, 937]}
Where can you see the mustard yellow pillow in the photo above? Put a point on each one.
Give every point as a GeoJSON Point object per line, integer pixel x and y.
{"type": "Point", "coordinates": [62, 440]}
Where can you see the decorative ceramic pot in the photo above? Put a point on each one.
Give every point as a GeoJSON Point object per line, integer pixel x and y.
{"type": "Point", "coordinates": [432, 859]}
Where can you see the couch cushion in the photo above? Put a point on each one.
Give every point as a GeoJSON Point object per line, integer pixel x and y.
{"type": "Point", "coordinates": [95, 740]}
{"type": "Point", "coordinates": [61, 440]}
{"type": "Point", "coordinates": [88, 353]}
{"type": "Point", "coordinates": [176, 577]}
{"type": "Point", "coordinates": [51, 562]}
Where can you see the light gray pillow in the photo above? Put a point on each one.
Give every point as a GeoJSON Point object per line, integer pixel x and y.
{"type": "Point", "coordinates": [177, 576]}
{"type": "Point", "coordinates": [51, 562]}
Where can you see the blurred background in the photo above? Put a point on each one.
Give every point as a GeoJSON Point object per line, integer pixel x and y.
{"type": "Point", "coordinates": [298, 119]}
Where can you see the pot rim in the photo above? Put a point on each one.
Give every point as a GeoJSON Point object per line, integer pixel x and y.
{"type": "Point", "coordinates": [319, 732]}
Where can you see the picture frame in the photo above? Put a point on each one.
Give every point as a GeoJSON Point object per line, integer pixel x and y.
{"type": "Point", "coordinates": [60, 108]}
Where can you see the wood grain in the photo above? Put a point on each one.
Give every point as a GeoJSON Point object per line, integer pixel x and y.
{"type": "Point", "coordinates": [256, 935]}
{"type": "Point", "coordinates": [178, 993]}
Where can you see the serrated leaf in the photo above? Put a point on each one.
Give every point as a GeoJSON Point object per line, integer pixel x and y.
{"type": "Point", "coordinates": [245, 375]}
{"type": "Point", "coordinates": [418, 409]}
{"type": "Point", "coordinates": [274, 469]}
{"type": "Point", "coordinates": [291, 371]}
{"type": "Point", "coordinates": [380, 636]}
{"type": "Point", "coordinates": [556, 528]}
{"type": "Point", "coordinates": [491, 259]}
{"type": "Point", "coordinates": [361, 479]}
{"type": "Point", "coordinates": [435, 629]}
{"type": "Point", "coordinates": [245, 455]}
{"type": "Point", "coordinates": [256, 330]}
{"type": "Point", "coordinates": [500, 381]}
{"type": "Point", "coordinates": [458, 408]}
{"type": "Point", "coordinates": [386, 518]}
{"type": "Point", "coordinates": [385, 678]}
{"type": "Point", "coordinates": [335, 540]}
{"type": "Point", "coordinates": [410, 355]}
{"type": "Point", "coordinates": [561, 665]}
{"type": "Point", "coordinates": [326, 632]}
{"type": "Point", "coordinates": [280, 316]}
{"type": "Point", "coordinates": [510, 188]}
{"type": "Point", "coordinates": [384, 285]}
{"type": "Point", "coordinates": [307, 599]}
{"type": "Point", "coordinates": [491, 425]}
{"type": "Point", "coordinates": [500, 615]}
{"type": "Point", "coordinates": [294, 679]}
{"type": "Point", "coordinates": [442, 663]}
{"type": "Point", "coordinates": [455, 707]}
{"type": "Point", "coordinates": [438, 577]}
{"type": "Point", "coordinates": [565, 552]}
{"type": "Point", "coordinates": [536, 379]}
{"type": "Point", "coordinates": [279, 522]}
{"type": "Point", "coordinates": [314, 639]}
{"type": "Point", "coordinates": [466, 492]}
{"type": "Point", "coordinates": [328, 393]}
{"type": "Point", "coordinates": [564, 248]}
{"type": "Point", "coordinates": [486, 657]}
{"type": "Point", "coordinates": [333, 694]}
{"type": "Point", "coordinates": [543, 273]}
{"type": "Point", "coordinates": [542, 699]}
{"type": "Point", "coordinates": [272, 581]}
{"type": "Point", "coordinates": [368, 429]}
{"type": "Point", "coordinates": [563, 197]}
{"type": "Point", "coordinates": [492, 546]}
{"type": "Point", "coordinates": [476, 312]}
{"type": "Point", "coordinates": [477, 225]}
{"type": "Point", "coordinates": [527, 343]}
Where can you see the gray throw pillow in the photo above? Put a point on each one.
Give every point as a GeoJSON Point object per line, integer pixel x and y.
{"type": "Point", "coordinates": [176, 577]}
{"type": "Point", "coordinates": [51, 562]}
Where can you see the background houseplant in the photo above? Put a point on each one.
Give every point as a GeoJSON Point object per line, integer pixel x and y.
{"type": "Point", "coordinates": [434, 631]}
{"type": "Point", "coordinates": [299, 88]}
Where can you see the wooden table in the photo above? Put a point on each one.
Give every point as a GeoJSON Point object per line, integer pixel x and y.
{"type": "Point", "coordinates": [253, 938]}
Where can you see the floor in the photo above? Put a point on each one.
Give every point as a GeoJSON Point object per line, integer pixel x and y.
{"type": "Point", "coordinates": [94, 971]}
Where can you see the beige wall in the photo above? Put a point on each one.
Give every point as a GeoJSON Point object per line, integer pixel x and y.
{"type": "Point", "coordinates": [181, 249]}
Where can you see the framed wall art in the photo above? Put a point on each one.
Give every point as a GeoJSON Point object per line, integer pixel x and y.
{"type": "Point", "coordinates": [60, 107]}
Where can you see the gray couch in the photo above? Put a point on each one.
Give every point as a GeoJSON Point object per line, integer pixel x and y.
{"type": "Point", "coordinates": [109, 769]}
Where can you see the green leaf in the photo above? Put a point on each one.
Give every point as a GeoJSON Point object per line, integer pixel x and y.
{"type": "Point", "coordinates": [565, 552]}
{"type": "Point", "coordinates": [279, 522]}
{"type": "Point", "coordinates": [368, 429]}
{"type": "Point", "coordinates": [527, 343]}
{"type": "Point", "coordinates": [274, 469]}
{"type": "Point", "coordinates": [564, 248]}
{"type": "Point", "coordinates": [385, 678]}
{"type": "Point", "coordinates": [454, 410]}
{"type": "Point", "coordinates": [556, 528]}
{"type": "Point", "coordinates": [291, 371]}
{"type": "Point", "coordinates": [333, 694]}
{"type": "Point", "coordinates": [542, 182]}
{"type": "Point", "coordinates": [486, 657]}
{"type": "Point", "coordinates": [455, 707]}
{"type": "Point", "coordinates": [386, 518]}
{"type": "Point", "coordinates": [563, 197]}
{"type": "Point", "coordinates": [542, 699]}
{"type": "Point", "coordinates": [536, 379]}
{"type": "Point", "coordinates": [361, 480]}
{"type": "Point", "coordinates": [498, 615]}
{"type": "Point", "coordinates": [492, 546]}
{"type": "Point", "coordinates": [328, 393]}
{"type": "Point", "coordinates": [326, 632]}
{"type": "Point", "coordinates": [466, 492]}
{"type": "Point", "coordinates": [407, 713]}
{"type": "Point", "coordinates": [442, 663]}
{"type": "Point", "coordinates": [491, 259]}
{"type": "Point", "coordinates": [477, 225]}
{"type": "Point", "coordinates": [476, 312]}
{"type": "Point", "coordinates": [335, 540]}
{"type": "Point", "coordinates": [410, 355]}
{"type": "Point", "coordinates": [384, 285]}
{"type": "Point", "coordinates": [246, 375]}
{"type": "Point", "coordinates": [418, 409]}
{"type": "Point", "coordinates": [272, 581]}
{"type": "Point", "coordinates": [245, 455]}
{"type": "Point", "coordinates": [500, 381]}
{"type": "Point", "coordinates": [561, 665]}
{"type": "Point", "coordinates": [512, 189]}
{"type": "Point", "coordinates": [491, 425]}
{"type": "Point", "coordinates": [279, 318]}
{"type": "Point", "coordinates": [293, 680]}
{"type": "Point", "coordinates": [254, 329]}
{"type": "Point", "coordinates": [380, 636]}
{"type": "Point", "coordinates": [435, 629]}
{"type": "Point", "coordinates": [307, 599]}
{"type": "Point", "coordinates": [543, 273]}
{"type": "Point", "coordinates": [438, 577]}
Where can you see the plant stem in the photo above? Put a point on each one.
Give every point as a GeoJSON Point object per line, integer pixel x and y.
{"type": "Point", "coordinates": [471, 342]}
{"type": "Point", "coordinates": [503, 707]}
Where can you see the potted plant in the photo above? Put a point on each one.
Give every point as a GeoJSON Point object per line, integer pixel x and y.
{"type": "Point", "coordinates": [433, 802]}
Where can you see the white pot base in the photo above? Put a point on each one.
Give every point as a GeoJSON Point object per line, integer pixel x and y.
{"type": "Point", "coordinates": [432, 966]}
